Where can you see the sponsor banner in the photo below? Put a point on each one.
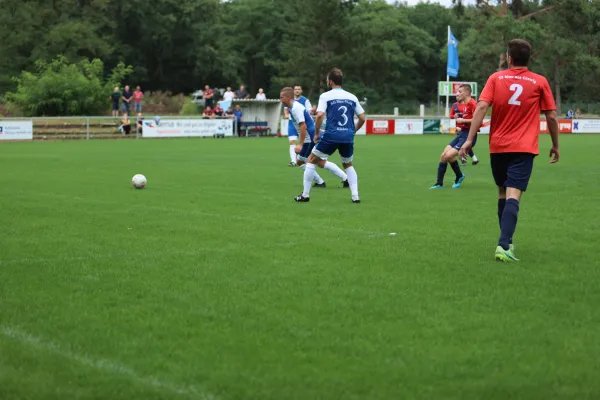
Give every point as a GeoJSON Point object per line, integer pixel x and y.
{"type": "Point", "coordinates": [408, 127]}
{"type": "Point", "coordinates": [187, 128]}
{"type": "Point", "coordinates": [380, 126]}
{"type": "Point", "coordinates": [432, 126]}
{"type": "Point", "coordinates": [16, 130]}
{"type": "Point", "coordinates": [586, 126]}
{"type": "Point", "coordinates": [564, 126]}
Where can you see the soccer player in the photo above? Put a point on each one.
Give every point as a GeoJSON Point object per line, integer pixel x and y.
{"type": "Point", "coordinates": [466, 106]}
{"type": "Point", "coordinates": [292, 133]}
{"type": "Point", "coordinates": [306, 127]}
{"type": "Point", "coordinates": [463, 109]}
{"type": "Point", "coordinates": [339, 107]}
{"type": "Point", "coordinates": [517, 96]}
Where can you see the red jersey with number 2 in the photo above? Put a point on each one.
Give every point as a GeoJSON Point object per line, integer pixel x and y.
{"type": "Point", "coordinates": [464, 111]}
{"type": "Point", "coordinates": [517, 96]}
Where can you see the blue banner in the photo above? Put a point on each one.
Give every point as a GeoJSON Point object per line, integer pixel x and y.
{"type": "Point", "coordinates": [453, 64]}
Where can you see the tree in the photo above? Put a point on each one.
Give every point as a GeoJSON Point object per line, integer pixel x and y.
{"type": "Point", "coordinates": [63, 88]}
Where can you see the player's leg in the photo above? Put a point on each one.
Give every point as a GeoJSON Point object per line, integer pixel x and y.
{"type": "Point", "coordinates": [337, 171]}
{"type": "Point", "coordinates": [303, 157]}
{"type": "Point", "coordinates": [472, 154]}
{"type": "Point", "coordinates": [347, 154]}
{"type": "Point", "coordinates": [450, 156]}
{"type": "Point", "coordinates": [442, 167]}
{"type": "Point", "coordinates": [292, 137]}
{"type": "Point", "coordinates": [318, 156]}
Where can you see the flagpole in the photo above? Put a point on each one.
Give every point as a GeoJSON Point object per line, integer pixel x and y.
{"type": "Point", "coordinates": [447, 78]}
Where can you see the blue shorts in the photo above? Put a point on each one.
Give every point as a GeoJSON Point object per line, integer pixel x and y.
{"type": "Point", "coordinates": [512, 169]}
{"type": "Point", "coordinates": [460, 139]}
{"type": "Point", "coordinates": [324, 149]}
{"type": "Point", "coordinates": [305, 152]}
{"type": "Point", "coordinates": [292, 132]}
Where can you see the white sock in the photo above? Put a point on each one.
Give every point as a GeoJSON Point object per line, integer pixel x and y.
{"type": "Point", "coordinates": [337, 171]}
{"type": "Point", "coordinates": [474, 158]}
{"type": "Point", "coordinates": [353, 181]}
{"type": "Point", "coordinates": [293, 153]}
{"type": "Point", "coordinates": [318, 179]}
{"type": "Point", "coordinates": [309, 176]}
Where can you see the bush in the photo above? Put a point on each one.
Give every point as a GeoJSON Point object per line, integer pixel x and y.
{"type": "Point", "coordinates": [60, 88]}
{"type": "Point", "coordinates": [163, 103]}
{"type": "Point", "coordinates": [189, 108]}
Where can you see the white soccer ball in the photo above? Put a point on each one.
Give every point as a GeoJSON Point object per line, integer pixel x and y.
{"type": "Point", "coordinates": [138, 181]}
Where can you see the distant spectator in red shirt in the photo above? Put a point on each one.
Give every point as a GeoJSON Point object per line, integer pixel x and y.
{"type": "Point", "coordinates": [313, 110]}
{"type": "Point", "coordinates": [138, 96]}
{"type": "Point", "coordinates": [208, 96]}
{"type": "Point", "coordinates": [208, 113]}
{"type": "Point", "coordinates": [218, 110]}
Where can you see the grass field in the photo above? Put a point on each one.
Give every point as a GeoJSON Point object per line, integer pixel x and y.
{"type": "Point", "coordinates": [212, 284]}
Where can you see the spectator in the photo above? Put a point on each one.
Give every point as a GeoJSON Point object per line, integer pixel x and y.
{"type": "Point", "coordinates": [228, 95]}
{"type": "Point", "coordinates": [578, 114]}
{"type": "Point", "coordinates": [229, 113]}
{"type": "Point", "coordinates": [261, 95]}
{"type": "Point", "coordinates": [313, 110]}
{"type": "Point", "coordinates": [127, 95]}
{"type": "Point", "coordinates": [238, 118]}
{"type": "Point", "coordinates": [138, 96]}
{"type": "Point", "coordinates": [218, 110]}
{"type": "Point", "coordinates": [125, 124]}
{"type": "Point", "coordinates": [115, 97]}
{"type": "Point", "coordinates": [208, 96]}
{"type": "Point", "coordinates": [208, 113]}
{"type": "Point", "coordinates": [569, 114]}
{"type": "Point", "coordinates": [242, 93]}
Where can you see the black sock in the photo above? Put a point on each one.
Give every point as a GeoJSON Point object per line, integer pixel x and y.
{"type": "Point", "coordinates": [442, 167]}
{"type": "Point", "coordinates": [471, 154]}
{"type": "Point", "coordinates": [501, 204]}
{"type": "Point", "coordinates": [508, 222]}
{"type": "Point", "coordinates": [456, 169]}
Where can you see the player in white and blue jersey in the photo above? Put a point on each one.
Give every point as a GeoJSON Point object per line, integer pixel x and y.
{"type": "Point", "coordinates": [292, 131]}
{"type": "Point", "coordinates": [339, 107]}
{"type": "Point", "coordinates": [305, 125]}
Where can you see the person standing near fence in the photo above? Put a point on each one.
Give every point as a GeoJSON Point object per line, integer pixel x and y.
{"type": "Point", "coordinates": [127, 95]}
{"type": "Point", "coordinates": [115, 98]}
{"type": "Point", "coordinates": [138, 96]}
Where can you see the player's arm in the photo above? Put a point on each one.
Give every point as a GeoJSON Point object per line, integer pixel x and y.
{"type": "Point", "coordinates": [478, 116]}
{"type": "Point", "coordinates": [319, 122]}
{"type": "Point", "coordinates": [302, 136]}
{"type": "Point", "coordinates": [307, 105]}
{"type": "Point", "coordinates": [286, 114]}
{"type": "Point", "coordinates": [360, 113]}
{"type": "Point", "coordinates": [552, 122]}
{"type": "Point", "coordinates": [298, 116]}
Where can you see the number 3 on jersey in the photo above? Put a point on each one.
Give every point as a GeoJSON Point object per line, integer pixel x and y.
{"type": "Point", "coordinates": [343, 110]}
{"type": "Point", "coordinates": [518, 89]}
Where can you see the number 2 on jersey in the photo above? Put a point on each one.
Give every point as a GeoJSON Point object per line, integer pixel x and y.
{"type": "Point", "coordinates": [345, 110]}
{"type": "Point", "coordinates": [518, 89]}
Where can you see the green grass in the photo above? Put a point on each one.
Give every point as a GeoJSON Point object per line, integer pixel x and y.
{"type": "Point", "coordinates": [212, 284]}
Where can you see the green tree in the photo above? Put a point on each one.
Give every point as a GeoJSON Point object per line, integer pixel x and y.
{"type": "Point", "coordinates": [63, 88]}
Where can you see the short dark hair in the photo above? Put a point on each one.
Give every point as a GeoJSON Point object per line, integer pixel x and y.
{"type": "Point", "coordinates": [336, 76]}
{"type": "Point", "coordinates": [466, 87]}
{"type": "Point", "coordinates": [520, 52]}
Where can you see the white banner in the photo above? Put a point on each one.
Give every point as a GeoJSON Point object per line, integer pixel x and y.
{"type": "Point", "coordinates": [187, 127]}
{"type": "Point", "coordinates": [586, 126]}
{"type": "Point", "coordinates": [409, 127]}
{"type": "Point", "coordinates": [16, 130]}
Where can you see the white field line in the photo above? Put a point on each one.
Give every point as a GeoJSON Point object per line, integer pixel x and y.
{"type": "Point", "coordinates": [103, 364]}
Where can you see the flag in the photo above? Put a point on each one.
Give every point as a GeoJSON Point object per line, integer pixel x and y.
{"type": "Point", "coordinates": [453, 64]}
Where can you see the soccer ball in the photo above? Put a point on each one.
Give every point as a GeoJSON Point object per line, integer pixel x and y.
{"type": "Point", "coordinates": [138, 181]}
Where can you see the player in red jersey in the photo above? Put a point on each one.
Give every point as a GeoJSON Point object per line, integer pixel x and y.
{"type": "Point", "coordinates": [462, 111]}
{"type": "Point", "coordinates": [517, 96]}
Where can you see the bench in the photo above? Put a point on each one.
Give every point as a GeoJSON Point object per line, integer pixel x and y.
{"type": "Point", "coordinates": [257, 128]}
